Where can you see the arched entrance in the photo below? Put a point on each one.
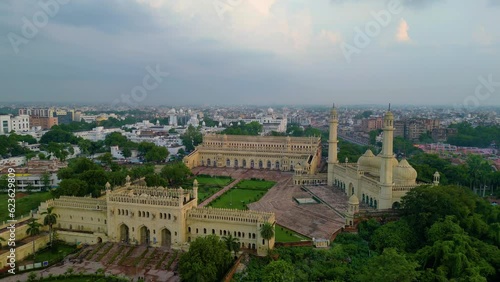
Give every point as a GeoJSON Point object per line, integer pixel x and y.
{"type": "Point", "coordinates": [99, 240]}
{"type": "Point", "coordinates": [145, 235]}
{"type": "Point", "coordinates": [269, 164]}
{"type": "Point", "coordinates": [228, 163]}
{"type": "Point", "coordinates": [260, 165]}
{"type": "Point", "coordinates": [166, 238]}
{"type": "Point", "coordinates": [252, 164]}
{"type": "Point", "coordinates": [244, 163]}
{"type": "Point", "coordinates": [124, 233]}
{"type": "Point", "coordinates": [209, 162]}
{"type": "Point", "coordinates": [277, 165]}
{"type": "Point", "coordinates": [235, 163]}
{"type": "Point", "coordinates": [351, 188]}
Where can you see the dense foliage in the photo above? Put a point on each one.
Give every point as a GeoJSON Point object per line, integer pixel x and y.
{"type": "Point", "coordinates": [191, 138]}
{"type": "Point", "coordinates": [252, 128]}
{"type": "Point", "coordinates": [9, 145]}
{"type": "Point", "coordinates": [207, 260]}
{"type": "Point", "coordinates": [445, 233]}
{"type": "Point", "coordinates": [480, 136]}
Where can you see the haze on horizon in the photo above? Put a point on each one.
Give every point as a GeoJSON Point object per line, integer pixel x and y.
{"type": "Point", "coordinates": [254, 52]}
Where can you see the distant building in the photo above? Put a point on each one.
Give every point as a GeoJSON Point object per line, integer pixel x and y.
{"type": "Point", "coordinates": [64, 117]}
{"type": "Point", "coordinates": [5, 124]}
{"type": "Point", "coordinates": [43, 122]}
{"type": "Point", "coordinates": [97, 134]}
{"type": "Point", "coordinates": [442, 134]}
{"type": "Point", "coordinates": [20, 123]}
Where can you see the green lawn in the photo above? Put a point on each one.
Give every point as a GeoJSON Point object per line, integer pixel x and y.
{"type": "Point", "coordinates": [205, 192]}
{"type": "Point", "coordinates": [207, 186]}
{"type": "Point", "coordinates": [23, 205]}
{"type": "Point", "coordinates": [255, 184]}
{"type": "Point", "coordinates": [285, 235]}
{"type": "Point", "coordinates": [243, 193]}
{"type": "Point", "coordinates": [213, 181]}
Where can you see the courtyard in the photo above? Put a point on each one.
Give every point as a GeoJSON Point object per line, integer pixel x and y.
{"type": "Point", "coordinates": [319, 220]}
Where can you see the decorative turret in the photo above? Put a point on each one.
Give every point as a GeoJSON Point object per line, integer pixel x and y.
{"type": "Point", "coordinates": [332, 144]}
{"type": "Point", "coordinates": [195, 192]}
{"type": "Point", "coordinates": [353, 208]}
{"type": "Point", "coordinates": [107, 186]}
{"type": "Point", "coordinates": [127, 180]}
{"type": "Point", "coordinates": [437, 176]}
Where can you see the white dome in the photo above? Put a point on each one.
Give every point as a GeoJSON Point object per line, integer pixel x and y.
{"type": "Point", "coordinates": [270, 111]}
{"type": "Point", "coordinates": [353, 200]}
{"type": "Point", "coordinates": [405, 174]}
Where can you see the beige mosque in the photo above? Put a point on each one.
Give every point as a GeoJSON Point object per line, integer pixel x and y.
{"type": "Point", "coordinates": [169, 217]}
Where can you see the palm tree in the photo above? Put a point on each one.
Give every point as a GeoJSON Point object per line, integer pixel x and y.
{"type": "Point", "coordinates": [267, 232]}
{"type": "Point", "coordinates": [33, 230]}
{"type": "Point", "coordinates": [232, 243]}
{"type": "Point", "coordinates": [50, 219]}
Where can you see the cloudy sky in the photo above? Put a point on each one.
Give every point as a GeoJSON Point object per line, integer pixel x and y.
{"type": "Point", "coordinates": [251, 51]}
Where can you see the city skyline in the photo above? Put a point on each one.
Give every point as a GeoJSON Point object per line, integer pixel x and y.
{"type": "Point", "coordinates": [252, 52]}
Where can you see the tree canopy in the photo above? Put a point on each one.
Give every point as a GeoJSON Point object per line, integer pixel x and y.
{"type": "Point", "coordinates": [207, 260]}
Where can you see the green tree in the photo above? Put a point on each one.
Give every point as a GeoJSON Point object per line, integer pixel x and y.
{"type": "Point", "coordinates": [106, 158]}
{"type": "Point", "coordinates": [71, 187]}
{"type": "Point", "coordinates": [396, 234]}
{"type": "Point", "coordinates": [390, 266]}
{"type": "Point", "coordinates": [85, 145]}
{"type": "Point", "coordinates": [176, 174]}
{"type": "Point", "coordinates": [232, 243]}
{"type": "Point", "coordinates": [46, 181]}
{"type": "Point", "coordinates": [207, 260]}
{"type": "Point", "coordinates": [156, 154]}
{"type": "Point", "coordinates": [127, 153]}
{"type": "Point", "coordinates": [267, 233]}
{"type": "Point", "coordinates": [191, 138]}
{"type": "Point", "coordinates": [278, 271]}
{"type": "Point", "coordinates": [57, 135]}
{"type": "Point", "coordinates": [32, 231]}
{"type": "Point", "coordinates": [154, 180]}
{"type": "Point", "coordinates": [115, 139]}
{"type": "Point", "coordinates": [50, 219]}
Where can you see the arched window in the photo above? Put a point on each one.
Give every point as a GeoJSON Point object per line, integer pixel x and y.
{"type": "Point", "coordinates": [228, 163]}
{"type": "Point", "coordinates": [204, 231]}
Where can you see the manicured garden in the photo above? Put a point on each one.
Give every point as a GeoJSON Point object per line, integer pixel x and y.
{"type": "Point", "coordinates": [24, 204]}
{"type": "Point", "coordinates": [285, 235]}
{"type": "Point", "coordinates": [209, 185]}
{"type": "Point", "coordinates": [243, 193]}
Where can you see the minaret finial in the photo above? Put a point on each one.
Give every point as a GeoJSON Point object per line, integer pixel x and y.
{"type": "Point", "coordinates": [389, 107]}
{"type": "Point", "coordinates": [333, 107]}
